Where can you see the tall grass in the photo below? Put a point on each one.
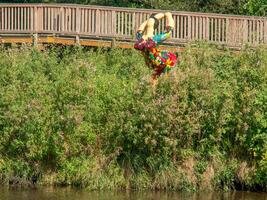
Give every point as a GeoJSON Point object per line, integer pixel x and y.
{"type": "Point", "coordinates": [90, 118]}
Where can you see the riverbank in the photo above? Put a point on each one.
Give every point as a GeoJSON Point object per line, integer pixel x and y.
{"type": "Point", "coordinates": [90, 118]}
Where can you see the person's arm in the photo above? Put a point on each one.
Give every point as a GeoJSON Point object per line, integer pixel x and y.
{"type": "Point", "coordinates": [163, 36]}
{"type": "Point", "coordinates": [169, 28]}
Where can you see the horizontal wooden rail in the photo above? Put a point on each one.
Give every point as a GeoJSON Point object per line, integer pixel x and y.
{"type": "Point", "coordinates": [121, 23]}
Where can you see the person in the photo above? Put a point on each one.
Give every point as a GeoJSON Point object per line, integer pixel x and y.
{"type": "Point", "coordinates": [161, 61]}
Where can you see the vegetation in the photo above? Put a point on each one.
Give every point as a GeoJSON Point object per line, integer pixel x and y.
{"type": "Point", "coordinates": [245, 7]}
{"type": "Point", "coordinates": [89, 118]}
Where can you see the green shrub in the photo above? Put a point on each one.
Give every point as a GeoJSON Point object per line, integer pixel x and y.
{"type": "Point", "coordinates": [68, 110]}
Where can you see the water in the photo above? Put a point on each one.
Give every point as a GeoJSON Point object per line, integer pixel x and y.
{"type": "Point", "coordinates": [52, 193]}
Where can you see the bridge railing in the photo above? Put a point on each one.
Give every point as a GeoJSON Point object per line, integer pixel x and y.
{"type": "Point", "coordinates": [121, 23]}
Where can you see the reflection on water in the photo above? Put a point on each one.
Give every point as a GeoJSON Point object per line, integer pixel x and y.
{"type": "Point", "coordinates": [52, 193]}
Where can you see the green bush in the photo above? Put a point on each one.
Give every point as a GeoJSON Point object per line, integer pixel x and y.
{"type": "Point", "coordinates": [71, 115]}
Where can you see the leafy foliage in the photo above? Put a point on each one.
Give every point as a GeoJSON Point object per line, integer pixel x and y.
{"type": "Point", "coordinates": [256, 7]}
{"type": "Point", "coordinates": [253, 7]}
{"type": "Point", "coordinates": [89, 117]}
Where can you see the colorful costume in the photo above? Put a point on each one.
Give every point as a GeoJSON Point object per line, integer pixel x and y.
{"type": "Point", "coordinates": [161, 61]}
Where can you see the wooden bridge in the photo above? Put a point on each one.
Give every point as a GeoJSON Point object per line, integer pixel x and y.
{"type": "Point", "coordinates": [109, 26]}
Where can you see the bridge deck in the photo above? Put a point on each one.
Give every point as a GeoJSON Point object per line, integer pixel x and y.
{"type": "Point", "coordinates": [98, 25]}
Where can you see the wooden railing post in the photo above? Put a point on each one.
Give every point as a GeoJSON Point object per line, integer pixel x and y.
{"type": "Point", "coordinates": [133, 26]}
{"type": "Point", "coordinates": [61, 18]}
{"type": "Point", "coordinates": [227, 38]}
{"type": "Point", "coordinates": [97, 25]}
{"type": "Point", "coordinates": [35, 26]}
{"type": "Point", "coordinates": [189, 36]}
{"type": "Point", "coordinates": [265, 31]}
{"type": "Point", "coordinates": [245, 31]}
{"type": "Point", "coordinates": [114, 22]}
{"type": "Point", "coordinates": [78, 24]}
{"type": "Point", "coordinates": [207, 35]}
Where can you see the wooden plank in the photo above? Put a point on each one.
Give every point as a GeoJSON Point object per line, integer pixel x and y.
{"type": "Point", "coordinates": [53, 20]}
{"type": "Point", "coordinates": [73, 20]}
{"type": "Point", "coordinates": [182, 25]}
{"type": "Point", "coordinates": [254, 31]}
{"type": "Point", "coordinates": [19, 18]}
{"type": "Point", "coordinates": [217, 36]}
{"type": "Point", "coordinates": [119, 23]}
{"type": "Point", "coordinates": [245, 31]}
{"type": "Point", "coordinates": [66, 19]}
{"type": "Point", "coordinates": [31, 19]}
{"type": "Point", "coordinates": [70, 20]}
{"type": "Point", "coordinates": [14, 40]}
{"type": "Point", "coordinates": [227, 30]}
{"type": "Point", "coordinates": [6, 19]}
{"type": "Point", "coordinates": [126, 23]}
{"type": "Point", "coordinates": [201, 28]}
{"type": "Point", "coordinates": [48, 19]}
{"type": "Point", "coordinates": [61, 19]}
{"type": "Point", "coordinates": [212, 29]}
{"type": "Point", "coordinates": [78, 20]}
{"type": "Point", "coordinates": [84, 21]}
{"type": "Point", "coordinates": [265, 31]}
{"type": "Point", "coordinates": [178, 27]}
{"type": "Point", "coordinates": [103, 23]}
{"type": "Point", "coordinates": [133, 24]}
{"type": "Point", "coordinates": [1, 21]}
{"type": "Point", "coordinates": [12, 19]}
{"type": "Point", "coordinates": [28, 19]}
{"type": "Point", "coordinates": [197, 28]}
{"type": "Point", "coordinates": [114, 22]}
{"type": "Point", "coordinates": [261, 31]}
{"type": "Point", "coordinates": [204, 25]}
{"type": "Point", "coordinates": [41, 18]}
{"type": "Point", "coordinates": [8, 22]}
{"type": "Point", "coordinates": [234, 31]}
{"type": "Point", "coordinates": [207, 28]}
{"type": "Point", "coordinates": [93, 21]}
{"type": "Point", "coordinates": [22, 18]}
{"type": "Point", "coordinates": [106, 22]}
{"type": "Point", "coordinates": [97, 24]}
{"type": "Point", "coordinates": [257, 32]}
{"type": "Point", "coordinates": [122, 23]}
{"type": "Point", "coordinates": [185, 27]}
{"type": "Point", "coordinates": [45, 18]}
{"type": "Point", "coordinates": [2, 18]}
{"type": "Point", "coordinates": [220, 30]}
{"type": "Point", "coordinates": [193, 28]}
{"type": "Point", "coordinates": [223, 30]}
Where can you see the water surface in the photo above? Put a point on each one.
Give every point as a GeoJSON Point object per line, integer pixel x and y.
{"type": "Point", "coordinates": [52, 193]}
